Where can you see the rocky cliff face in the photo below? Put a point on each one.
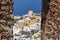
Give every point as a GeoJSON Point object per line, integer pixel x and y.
{"type": "Point", "coordinates": [51, 24]}
{"type": "Point", "coordinates": [6, 19]}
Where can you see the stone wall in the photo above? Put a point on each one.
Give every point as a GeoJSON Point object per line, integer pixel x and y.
{"type": "Point", "coordinates": [51, 24]}
{"type": "Point", "coordinates": [6, 19]}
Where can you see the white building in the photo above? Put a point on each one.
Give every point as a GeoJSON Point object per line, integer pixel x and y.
{"type": "Point", "coordinates": [17, 17]}
{"type": "Point", "coordinates": [30, 13]}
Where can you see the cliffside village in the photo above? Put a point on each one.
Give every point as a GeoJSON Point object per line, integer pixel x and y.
{"type": "Point", "coordinates": [27, 27]}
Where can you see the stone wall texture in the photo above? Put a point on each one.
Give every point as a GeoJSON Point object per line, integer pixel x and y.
{"type": "Point", "coordinates": [6, 19]}
{"type": "Point", "coordinates": [51, 20]}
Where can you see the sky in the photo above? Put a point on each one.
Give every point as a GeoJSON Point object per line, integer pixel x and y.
{"type": "Point", "coordinates": [22, 7]}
